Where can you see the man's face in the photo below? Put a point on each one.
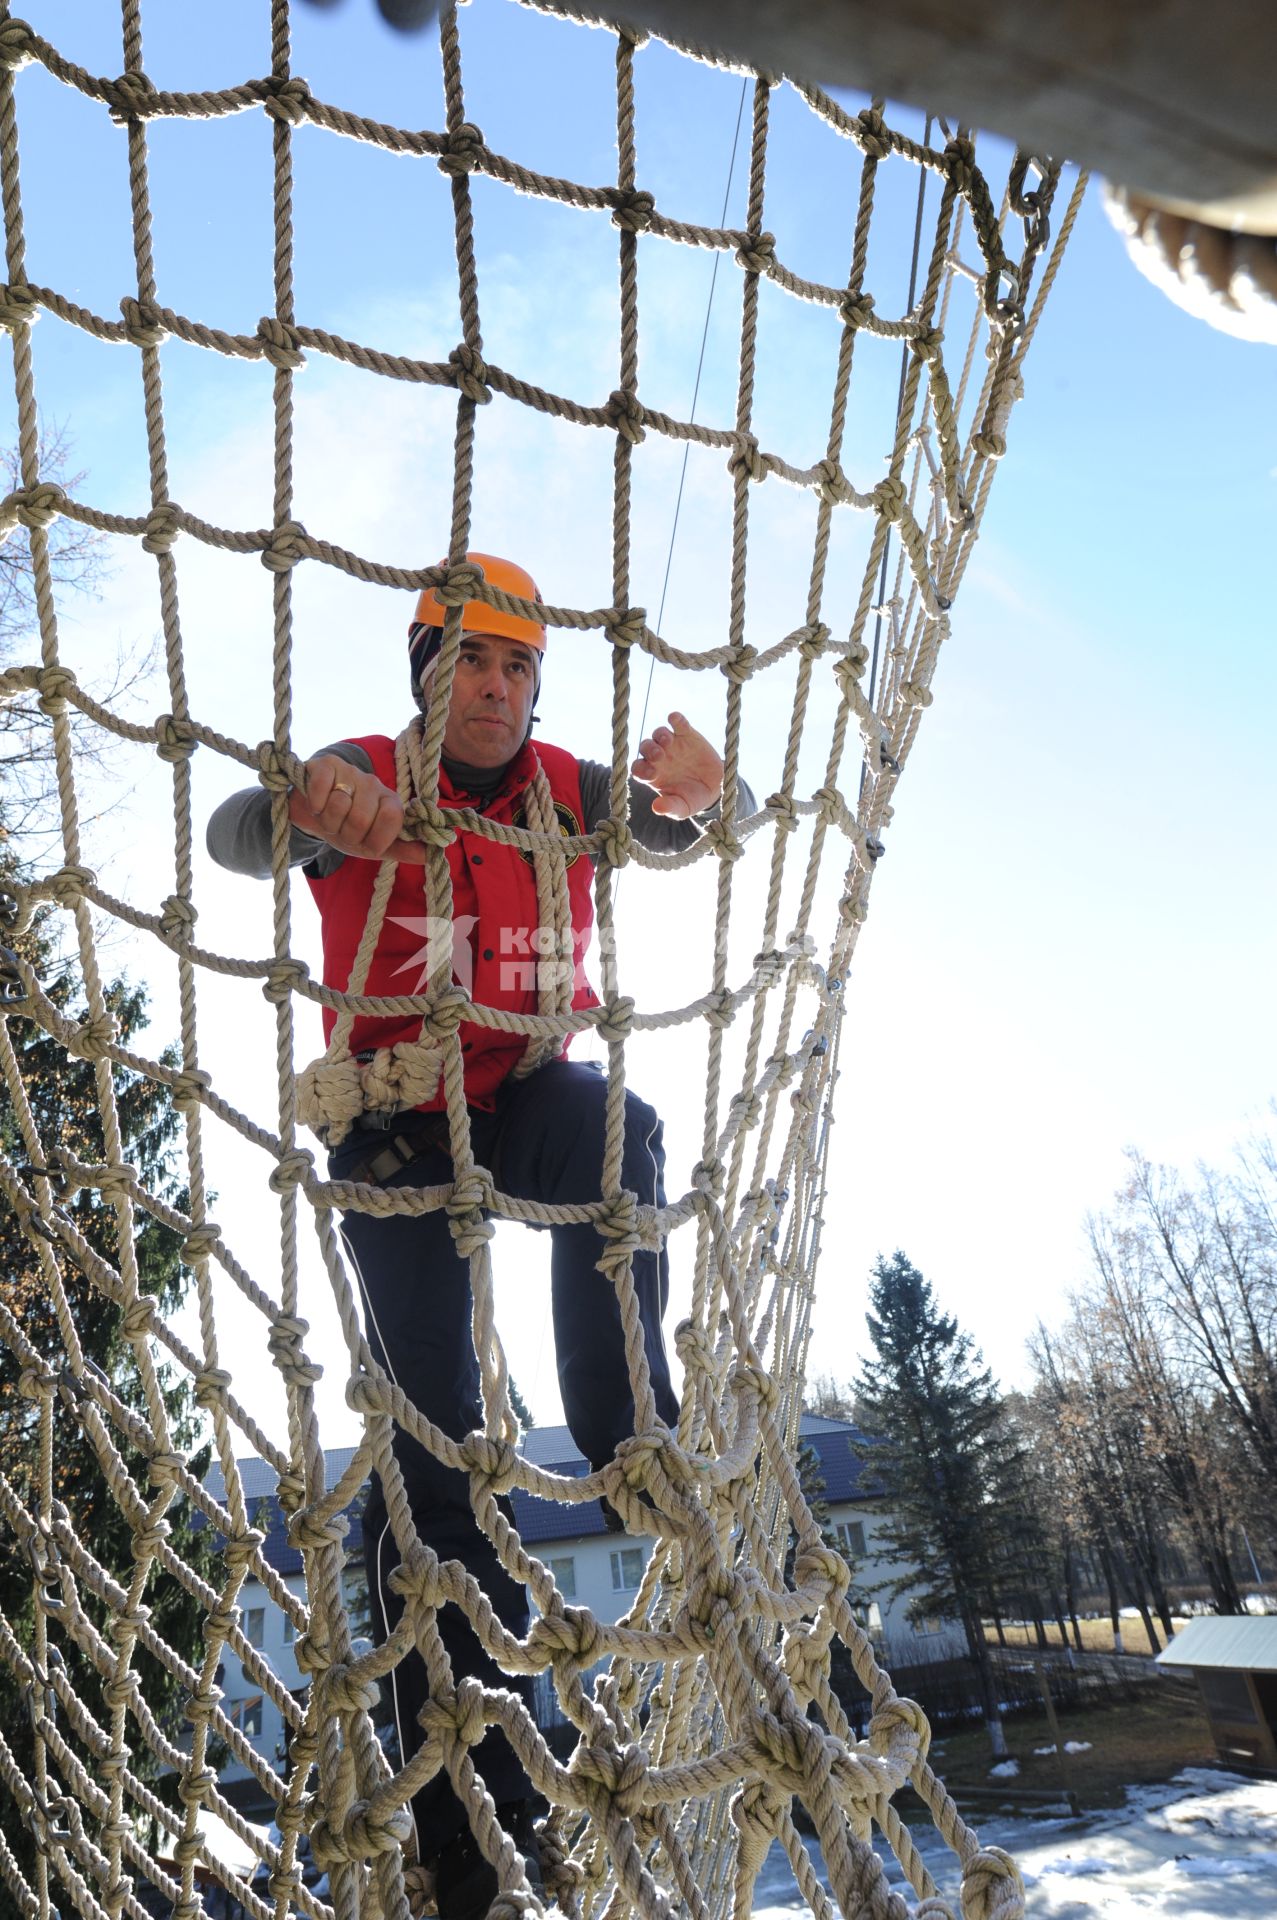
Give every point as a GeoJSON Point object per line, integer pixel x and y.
{"type": "Point", "coordinates": [493, 690]}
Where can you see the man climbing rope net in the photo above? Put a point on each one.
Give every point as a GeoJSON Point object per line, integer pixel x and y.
{"type": "Point", "coordinates": [539, 1128]}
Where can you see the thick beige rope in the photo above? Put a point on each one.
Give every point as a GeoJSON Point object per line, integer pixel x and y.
{"type": "Point", "coordinates": [696, 1734]}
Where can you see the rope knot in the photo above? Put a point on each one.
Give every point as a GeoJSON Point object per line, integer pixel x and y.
{"type": "Point", "coordinates": [67, 885]}
{"type": "Point", "coordinates": [142, 324]}
{"type": "Point", "coordinates": [471, 1192]}
{"type": "Point", "coordinates": [417, 1577]}
{"type": "Point", "coordinates": [747, 457]}
{"type": "Point", "coordinates": [177, 917]}
{"type": "Point", "coordinates": [632, 209]}
{"type": "Point", "coordinates": [720, 1009]}
{"type": "Point", "coordinates": [448, 1008]}
{"type": "Point", "coordinates": [831, 482]}
{"type": "Point", "coordinates": [492, 1462]}
{"type": "Point", "coordinates": [784, 810]}
{"type": "Point", "coordinates": [889, 498]}
{"type": "Point", "coordinates": [915, 695]}
{"type": "Point", "coordinates": [986, 1880]}
{"type": "Point", "coordinates": [750, 1378]}
{"type": "Point", "coordinates": [693, 1346]}
{"type": "Point", "coordinates": [625, 412]}
{"type": "Point", "coordinates": [756, 1812]}
{"type": "Point", "coordinates": [362, 1837]}
{"type": "Point", "coordinates": [456, 1717]}
{"type": "Point", "coordinates": [741, 664]}
{"type": "Point", "coordinates": [470, 374]}
{"type": "Point", "coordinates": [163, 525]}
{"type": "Point", "coordinates": [289, 101]}
{"type": "Point", "coordinates": [56, 684]}
{"type": "Point", "coordinates": [307, 1532]}
{"type": "Point", "coordinates": [617, 1222]}
{"type": "Point", "coordinates": [872, 137]}
{"type": "Point", "coordinates": [573, 1634]}
{"type": "Point", "coordinates": [989, 443]}
{"type": "Point", "coordinates": [189, 1087]}
{"type": "Point", "coordinates": [855, 309]}
{"type": "Point", "coordinates": [817, 1562]}
{"type": "Point", "coordinates": [365, 1395]}
{"type": "Point", "coordinates": [281, 344]}
{"type": "Point", "coordinates": [462, 151]}
{"type": "Point", "coordinates": [287, 546]}
{"type": "Point", "coordinates": [817, 640]}
{"type": "Point", "coordinates": [295, 1167]}
{"type": "Point", "coordinates": [37, 506]}
{"type": "Point", "coordinates": [769, 967]}
{"type": "Point", "coordinates": [709, 1176]}
{"type": "Point", "coordinates": [723, 840]}
{"type": "Point", "coordinates": [626, 626]}
{"type": "Point", "coordinates": [173, 738]}
{"type": "Point", "coordinates": [758, 253]}
{"type": "Point", "coordinates": [345, 1692]}
{"type": "Point", "coordinates": [165, 1469]}
{"type": "Point", "coordinates": [926, 342]}
{"type": "Point", "coordinates": [620, 1773]}
{"type": "Point", "coordinates": [459, 583]}
{"type": "Point", "coordinates": [96, 1035]}
{"type": "Point", "coordinates": [19, 306]}
{"type": "Point", "coordinates": [284, 1341]}
{"type": "Point", "coordinates": [616, 842]}
{"type": "Point", "coordinates": [284, 977]}
{"type": "Point", "coordinates": [904, 1714]}
{"type": "Point", "coordinates": [617, 1019]}
{"type": "Point", "coordinates": [640, 1453]}
{"type": "Point", "coordinates": [833, 808]}
{"type": "Point", "coordinates": [211, 1387]}
{"type": "Point", "coordinates": [201, 1243]}
{"type": "Point", "coordinates": [131, 97]}
{"type": "Point", "coordinates": [805, 1657]}
{"type": "Point", "coordinates": [275, 770]}
{"type": "Point", "coordinates": [17, 44]}
{"type": "Point", "coordinates": [959, 155]}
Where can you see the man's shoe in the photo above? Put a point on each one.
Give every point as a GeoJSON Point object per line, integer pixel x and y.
{"type": "Point", "coordinates": [465, 1881]}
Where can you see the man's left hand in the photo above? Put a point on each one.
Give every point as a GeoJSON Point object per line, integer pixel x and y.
{"type": "Point", "coordinates": [682, 766]}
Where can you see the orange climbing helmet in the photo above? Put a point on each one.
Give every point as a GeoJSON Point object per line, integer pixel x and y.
{"type": "Point", "coordinates": [477, 616]}
{"type": "Point", "coordinates": [425, 635]}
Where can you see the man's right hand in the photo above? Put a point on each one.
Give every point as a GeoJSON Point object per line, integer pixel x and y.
{"type": "Point", "coordinates": [352, 811]}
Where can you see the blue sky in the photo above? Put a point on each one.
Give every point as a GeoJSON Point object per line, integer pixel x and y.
{"type": "Point", "coordinates": [1072, 939]}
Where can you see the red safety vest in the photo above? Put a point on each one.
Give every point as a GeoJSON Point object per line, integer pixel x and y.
{"type": "Point", "coordinates": [495, 921]}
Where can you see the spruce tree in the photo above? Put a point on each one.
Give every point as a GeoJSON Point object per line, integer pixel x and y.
{"type": "Point", "coordinates": [944, 1458]}
{"type": "Point", "coordinates": [61, 1093]}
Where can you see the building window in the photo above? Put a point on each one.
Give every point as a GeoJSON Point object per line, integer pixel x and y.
{"type": "Point", "coordinates": [289, 1629]}
{"type": "Point", "coordinates": [564, 1571]}
{"type": "Point", "coordinates": [926, 1628]}
{"type": "Point", "coordinates": [246, 1715]}
{"type": "Point", "coordinates": [851, 1538]}
{"type": "Point", "coordinates": [255, 1626]}
{"type": "Point", "coordinates": [869, 1616]}
{"type": "Point", "coordinates": [627, 1569]}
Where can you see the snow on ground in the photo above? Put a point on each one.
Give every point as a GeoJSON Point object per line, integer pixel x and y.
{"type": "Point", "coordinates": [1201, 1847]}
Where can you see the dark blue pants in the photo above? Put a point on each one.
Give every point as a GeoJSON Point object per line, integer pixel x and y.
{"type": "Point", "coordinates": [544, 1142]}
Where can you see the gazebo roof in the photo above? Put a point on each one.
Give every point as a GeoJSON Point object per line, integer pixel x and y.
{"type": "Point", "coordinates": [1245, 1643]}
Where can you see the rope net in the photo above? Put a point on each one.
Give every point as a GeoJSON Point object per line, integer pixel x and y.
{"type": "Point", "coordinates": [714, 1709]}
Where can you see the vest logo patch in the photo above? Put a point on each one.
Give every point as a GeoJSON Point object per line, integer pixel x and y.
{"type": "Point", "coordinates": [568, 825]}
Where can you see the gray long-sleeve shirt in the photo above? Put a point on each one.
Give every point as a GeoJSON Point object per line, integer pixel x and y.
{"type": "Point", "coordinates": [239, 830]}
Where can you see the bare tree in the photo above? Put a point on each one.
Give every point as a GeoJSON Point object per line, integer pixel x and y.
{"type": "Point", "coordinates": [1213, 1249]}
{"type": "Point", "coordinates": [78, 566]}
